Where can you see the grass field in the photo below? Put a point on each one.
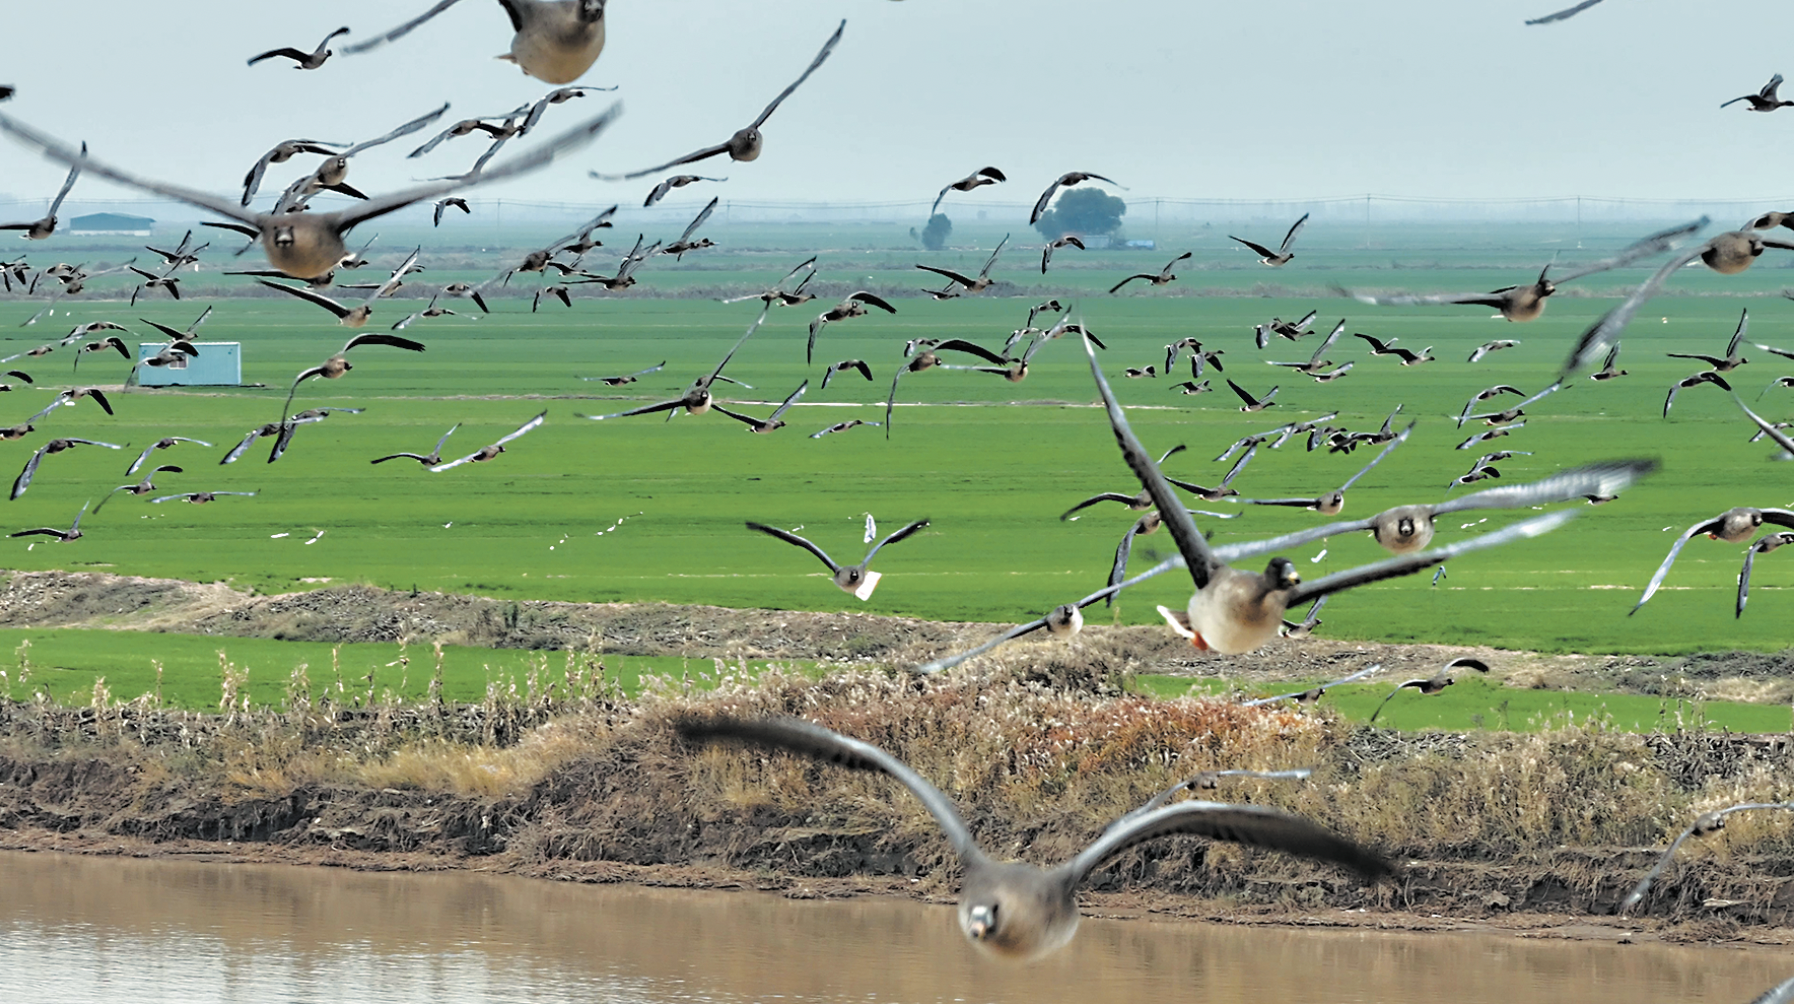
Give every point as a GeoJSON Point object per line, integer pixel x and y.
{"type": "Point", "coordinates": [992, 464]}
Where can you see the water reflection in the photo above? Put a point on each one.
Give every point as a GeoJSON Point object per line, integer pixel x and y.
{"type": "Point", "coordinates": [117, 930]}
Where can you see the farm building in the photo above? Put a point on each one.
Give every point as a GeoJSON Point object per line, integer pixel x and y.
{"type": "Point", "coordinates": [111, 223]}
{"type": "Point", "coordinates": [219, 364]}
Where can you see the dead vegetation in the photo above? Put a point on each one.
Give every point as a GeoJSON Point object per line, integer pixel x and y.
{"type": "Point", "coordinates": [566, 775]}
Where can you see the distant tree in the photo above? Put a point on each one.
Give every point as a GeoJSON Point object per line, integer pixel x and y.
{"type": "Point", "coordinates": [1082, 211]}
{"type": "Point", "coordinates": [934, 235]}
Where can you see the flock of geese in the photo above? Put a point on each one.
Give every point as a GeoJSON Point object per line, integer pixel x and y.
{"type": "Point", "coordinates": [1010, 909]}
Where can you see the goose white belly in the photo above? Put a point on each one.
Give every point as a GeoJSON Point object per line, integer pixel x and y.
{"type": "Point", "coordinates": [1233, 615]}
{"type": "Point", "coordinates": [556, 60]}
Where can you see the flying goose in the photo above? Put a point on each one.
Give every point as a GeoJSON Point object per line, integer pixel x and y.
{"type": "Point", "coordinates": [308, 244]}
{"type": "Point", "coordinates": [508, 125]}
{"type": "Point", "coordinates": [70, 396]}
{"type": "Point", "coordinates": [486, 453]}
{"type": "Point", "coordinates": [625, 275]}
{"type": "Point", "coordinates": [1162, 277]}
{"type": "Point", "coordinates": [1495, 433]}
{"type": "Point", "coordinates": [167, 281]}
{"type": "Point", "coordinates": [201, 498]}
{"type": "Point", "coordinates": [1705, 376]}
{"type": "Point", "coordinates": [983, 280]}
{"type": "Point", "coordinates": [1143, 501]}
{"type": "Point", "coordinates": [16, 375]}
{"type": "Point", "coordinates": [1065, 180]}
{"type": "Point", "coordinates": [1483, 470]}
{"type": "Point", "coordinates": [1015, 910]}
{"type": "Point", "coordinates": [281, 431]}
{"type": "Point", "coordinates": [1145, 526]}
{"type": "Point", "coordinates": [1704, 824]}
{"type": "Point", "coordinates": [1734, 526]}
{"type": "Point", "coordinates": [771, 423]}
{"type": "Point", "coordinates": [429, 312]}
{"type": "Point", "coordinates": [745, 144]}
{"type": "Point", "coordinates": [1292, 330]}
{"type": "Point", "coordinates": [1482, 351]}
{"type": "Point", "coordinates": [23, 481]}
{"type": "Point", "coordinates": [1315, 364]}
{"type": "Point", "coordinates": [982, 176]}
{"type": "Point", "coordinates": [678, 248]}
{"type": "Point", "coordinates": [627, 378]}
{"type": "Point", "coordinates": [1254, 403]}
{"type": "Point", "coordinates": [853, 306]}
{"type": "Point", "coordinates": [332, 173]}
{"type": "Point", "coordinates": [1765, 100]}
{"type": "Point", "coordinates": [1282, 255]}
{"type": "Point", "coordinates": [556, 41]}
{"type": "Point", "coordinates": [1509, 414]}
{"type": "Point", "coordinates": [776, 296]}
{"type": "Point", "coordinates": [356, 316]}
{"type": "Point", "coordinates": [454, 201]}
{"type": "Point", "coordinates": [1409, 357]}
{"type": "Point", "coordinates": [184, 253]}
{"type": "Point", "coordinates": [62, 536]}
{"type": "Point", "coordinates": [282, 152]}
{"type": "Point", "coordinates": [927, 359]}
{"type": "Point", "coordinates": [1527, 302]}
{"type": "Point", "coordinates": [660, 191]}
{"type": "Point", "coordinates": [842, 367]}
{"type": "Point", "coordinates": [842, 427]}
{"type": "Point", "coordinates": [1732, 359]}
{"type": "Point", "coordinates": [1233, 612]}
{"type": "Point", "coordinates": [165, 443]}
{"type": "Point", "coordinates": [696, 399]}
{"type": "Point", "coordinates": [109, 342]}
{"type": "Point", "coordinates": [854, 580]}
{"type": "Point", "coordinates": [432, 459]}
{"type": "Point", "coordinates": [303, 60]}
{"type": "Point", "coordinates": [1764, 545]}
{"type": "Point", "coordinates": [38, 230]}
{"type": "Point", "coordinates": [1433, 684]}
{"type": "Point", "coordinates": [1314, 694]}
{"type": "Point", "coordinates": [143, 487]}
{"type": "Point", "coordinates": [1485, 395]}
{"type": "Point", "coordinates": [1191, 387]}
{"type": "Point", "coordinates": [1331, 503]}
{"type": "Point", "coordinates": [338, 364]}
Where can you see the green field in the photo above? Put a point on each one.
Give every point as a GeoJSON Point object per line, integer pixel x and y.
{"type": "Point", "coordinates": [543, 520]}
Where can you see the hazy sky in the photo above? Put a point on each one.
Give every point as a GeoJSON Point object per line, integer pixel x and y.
{"type": "Point", "coordinates": [1275, 99]}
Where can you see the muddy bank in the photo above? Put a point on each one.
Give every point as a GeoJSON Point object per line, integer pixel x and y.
{"type": "Point", "coordinates": [1508, 831]}
{"type": "Point", "coordinates": [366, 614]}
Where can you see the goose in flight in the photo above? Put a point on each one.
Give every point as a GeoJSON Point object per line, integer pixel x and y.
{"type": "Point", "coordinates": [1482, 351]}
{"type": "Point", "coordinates": [201, 498]}
{"type": "Point", "coordinates": [556, 41]}
{"type": "Point", "coordinates": [745, 144]}
{"type": "Point", "coordinates": [282, 152]}
{"type": "Point", "coordinates": [854, 580]}
{"type": "Point", "coordinates": [771, 423]}
{"type": "Point", "coordinates": [1232, 611]}
{"type": "Point", "coordinates": [1015, 910]}
{"type": "Point", "coordinates": [1765, 100]}
{"type": "Point", "coordinates": [854, 305]}
{"type": "Point", "coordinates": [303, 60]}
{"type": "Point", "coordinates": [1734, 526]}
{"type": "Point", "coordinates": [1507, 415]}
{"type": "Point", "coordinates": [1769, 542]}
{"type": "Point", "coordinates": [678, 248]}
{"type": "Point", "coordinates": [1332, 502]}
{"type": "Point", "coordinates": [62, 536]}
{"type": "Point", "coordinates": [1705, 824]}
{"type": "Point", "coordinates": [1315, 366]}
{"type": "Point", "coordinates": [165, 443]}
{"type": "Point", "coordinates": [431, 459]}
{"type": "Point", "coordinates": [978, 284]}
{"type": "Point", "coordinates": [777, 296]}
{"type": "Point", "coordinates": [144, 487]}
{"type": "Point", "coordinates": [1253, 403]}
{"type": "Point", "coordinates": [1046, 253]}
{"type": "Point", "coordinates": [627, 378]}
{"type": "Point", "coordinates": [304, 245]}
{"type": "Point", "coordinates": [927, 359]}
{"type": "Point", "coordinates": [356, 316]}
{"type": "Point", "coordinates": [1283, 254]}
{"type": "Point", "coordinates": [1433, 684]}
{"type": "Point", "coordinates": [1314, 694]}
{"type": "Point", "coordinates": [660, 191]}
{"type": "Point", "coordinates": [1160, 278]}
{"type": "Point", "coordinates": [338, 364]}
{"type": "Point", "coordinates": [982, 176]}
{"type": "Point", "coordinates": [1065, 180]}
{"type": "Point", "coordinates": [1409, 357]}
{"type": "Point", "coordinates": [696, 400]}
{"type": "Point", "coordinates": [37, 230]}
{"type": "Point", "coordinates": [23, 481]}
{"type": "Point", "coordinates": [486, 453]}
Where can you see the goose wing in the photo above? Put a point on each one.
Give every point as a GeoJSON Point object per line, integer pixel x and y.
{"type": "Point", "coordinates": [893, 538]}
{"type": "Point", "coordinates": [1409, 564]}
{"type": "Point", "coordinates": [1704, 526]}
{"type": "Point", "coordinates": [821, 57]}
{"type": "Point", "coordinates": [792, 538]}
{"type": "Point", "coordinates": [401, 31]}
{"type": "Point", "coordinates": [1253, 825]}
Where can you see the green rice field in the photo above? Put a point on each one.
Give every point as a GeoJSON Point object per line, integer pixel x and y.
{"type": "Point", "coordinates": [645, 509]}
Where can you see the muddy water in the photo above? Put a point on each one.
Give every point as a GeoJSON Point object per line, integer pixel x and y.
{"type": "Point", "coordinates": [119, 930]}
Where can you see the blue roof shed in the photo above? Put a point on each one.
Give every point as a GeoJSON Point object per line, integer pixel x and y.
{"type": "Point", "coordinates": [219, 364]}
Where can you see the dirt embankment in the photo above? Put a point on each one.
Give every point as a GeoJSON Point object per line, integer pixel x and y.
{"type": "Point", "coordinates": [366, 614]}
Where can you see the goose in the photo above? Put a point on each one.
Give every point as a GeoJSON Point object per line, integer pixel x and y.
{"type": "Point", "coordinates": [16, 375]}
{"type": "Point", "coordinates": [507, 125]}
{"type": "Point", "coordinates": [1234, 612]}
{"type": "Point", "coordinates": [578, 242]}
{"type": "Point", "coordinates": [1507, 415]}
{"type": "Point", "coordinates": [1305, 627]}
{"type": "Point", "coordinates": [283, 152]}
{"type": "Point", "coordinates": [1160, 278]}
{"type": "Point", "coordinates": [1332, 375]}
{"type": "Point", "coordinates": [290, 426]}
{"type": "Point", "coordinates": [1493, 434]}
{"type": "Point", "coordinates": [927, 359]}
{"type": "Point", "coordinates": [1143, 501]}
{"type": "Point", "coordinates": [745, 144]}
{"type": "Point", "coordinates": [332, 174]}
{"type": "Point", "coordinates": [38, 230]}
{"type": "Point", "coordinates": [143, 487]}
{"type": "Point", "coordinates": [697, 398]}
{"type": "Point", "coordinates": [1732, 360]}
{"type": "Point", "coordinates": [1314, 694]}
{"type": "Point", "coordinates": [109, 342]}
{"type": "Point", "coordinates": [304, 245]}
{"type": "Point", "coordinates": [556, 41]}
{"type": "Point", "coordinates": [465, 291]}
{"type": "Point", "coordinates": [1065, 180]}
{"type": "Point", "coordinates": [1524, 303]}
{"type": "Point", "coordinates": [1734, 526]}
{"type": "Point", "coordinates": [356, 316]}
{"type": "Point", "coordinates": [1783, 381]}
{"type": "Point", "coordinates": [1482, 351]}
{"type": "Point", "coordinates": [625, 276]}
{"type": "Point", "coordinates": [1315, 364]}
{"type": "Point", "coordinates": [1705, 824]}
{"type": "Point", "coordinates": [1765, 100]}
{"type": "Point", "coordinates": [852, 423]}
{"type": "Point", "coordinates": [338, 364]}
{"type": "Point", "coordinates": [1254, 403]}
{"type": "Point", "coordinates": [1136, 373]}
{"type": "Point", "coordinates": [678, 248]}
{"type": "Point", "coordinates": [183, 254]}
{"type": "Point", "coordinates": [1014, 910]}
{"type": "Point", "coordinates": [1764, 545]}
{"type": "Point", "coordinates": [1409, 357]}
{"type": "Point", "coordinates": [660, 191]}
{"type": "Point", "coordinates": [303, 60]}
{"type": "Point", "coordinates": [1486, 394]}
{"type": "Point", "coordinates": [200, 498]}
{"type": "Point", "coordinates": [627, 378]}
{"type": "Point", "coordinates": [429, 312]}
{"type": "Point", "coordinates": [165, 443]}
{"type": "Point", "coordinates": [1282, 255]}
{"type": "Point", "coordinates": [280, 431]}
{"type": "Point", "coordinates": [771, 423]}
{"type": "Point", "coordinates": [166, 281]}
{"type": "Point", "coordinates": [558, 96]}
{"type": "Point", "coordinates": [1706, 376]}
{"type": "Point", "coordinates": [1432, 684]}
{"type": "Point", "coordinates": [486, 453]}
{"type": "Point", "coordinates": [1191, 387]}
{"type": "Point", "coordinates": [980, 177]}
{"type": "Point", "coordinates": [1608, 371]}
{"type": "Point", "coordinates": [431, 459]}
{"type": "Point", "coordinates": [1332, 502]}
{"type": "Point", "coordinates": [62, 536]}
{"type": "Point", "coordinates": [23, 481]}
{"type": "Point", "coordinates": [1292, 330]}
{"type": "Point", "coordinates": [453, 201]}
{"type": "Point", "coordinates": [854, 305]}
{"type": "Point", "coordinates": [70, 396]}
{"type": "Point", "coordinates": [854, 580]}
{"type": "Point", "coordinates": [1482, 470]}
{"type": "Point", "coordinates": [776, 296]}
{"type": "Point", "coordinates": [972, 285]}
{"type": "Point", "coordinates": [843, 366]}
{"type": "Point", "coordinates": [1145, 526]}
